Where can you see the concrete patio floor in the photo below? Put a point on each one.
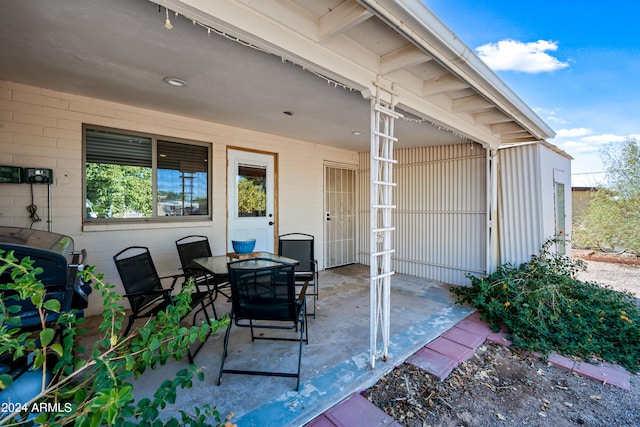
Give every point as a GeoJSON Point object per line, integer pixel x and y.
{"type": "Point", "coordinates": [335, 363]}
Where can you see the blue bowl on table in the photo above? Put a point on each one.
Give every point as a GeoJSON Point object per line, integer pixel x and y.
{"type": "Point", "coordinates": [243, 246]}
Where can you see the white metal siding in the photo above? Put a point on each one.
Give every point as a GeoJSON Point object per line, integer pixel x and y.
{"type": "Point", "coordinates": [520, 207]}
{"type": "Point", "coordinates": [527, 200]}
{"type": "Point", "coordinates": [440, 218]}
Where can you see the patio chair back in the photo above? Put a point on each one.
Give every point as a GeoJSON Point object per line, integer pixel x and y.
{"type": "Point", "coordinates": [138, 275]}
{"type": "Point", "coordinates": [191, 247]}
{"type": "Point", "coordinates": [196, 246]}
{"type": "Point", "coordinates": [263, 295]}
{"type": "Point", "coordinates": [144, 290]}
{"type": "Point", "coordinates": [300, 246]}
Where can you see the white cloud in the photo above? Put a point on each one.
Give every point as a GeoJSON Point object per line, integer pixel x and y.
{"type": "Point", "coordinates": [604, 138]}
{"type": "Point", "coordinates": [550, 115]}
{"type": "Point", "coordinates": [556, 119]}
{"type": "Point", "coordinates": [518, 56]}
{"type": "Point", "coordinates": [582, 142]}
{"type": "Point", "coordinates": [573, 133]}
{"type": "Point", "coordinates": [574, 147]}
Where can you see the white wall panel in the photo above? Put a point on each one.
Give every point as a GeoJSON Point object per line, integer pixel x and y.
{"type": "Point", "coordinates": [51, 137]}
{"type": "Point", "coordinates": [520, 210]}
{"type": "Point", "coordinates": [527, 201]}
{"type": "Point", "coordinates": [440, 218]}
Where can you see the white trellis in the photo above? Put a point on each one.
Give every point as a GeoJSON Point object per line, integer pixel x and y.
{"type": "Point", "coordinates": [381, 248]}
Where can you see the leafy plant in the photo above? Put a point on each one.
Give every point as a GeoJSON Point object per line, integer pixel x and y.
{"type": "Point", "coordinates": [95, 388]}
{"type": "Point", "coordinates": [611, 220]}
{"type": "Point", "coordinates": [546, 309]}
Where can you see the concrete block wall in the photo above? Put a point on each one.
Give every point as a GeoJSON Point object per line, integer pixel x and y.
{"type": "Point", "coordinates": [42, 128]}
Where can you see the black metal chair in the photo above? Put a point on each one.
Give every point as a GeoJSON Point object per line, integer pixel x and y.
{"type": "Point", "coordinates": [195, 246]}
{"type": "Point", "coordinates": [300, 246]}
{"type": "Point", "coordinates": [144, 290]}
{"type": "Point", "coordinates": [263, 295]}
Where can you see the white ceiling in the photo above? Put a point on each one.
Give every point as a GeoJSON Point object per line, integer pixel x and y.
{"type": "Point", "coordinates": [119, 50]}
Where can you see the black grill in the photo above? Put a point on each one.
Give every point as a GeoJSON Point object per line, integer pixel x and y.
{"type": "Point", "coordinates": [55, 254]}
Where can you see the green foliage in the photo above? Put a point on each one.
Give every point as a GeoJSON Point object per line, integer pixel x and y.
{"type": "Point", "coordinates": [609, 223]}
{"type": "Point", "coordinates": [546, 309]}
{"type": "Point", "coordinates": [114, 190]}
{"type": "Point", "coordinates": [612, 220]}
{"type": "Point", "coordinates": [252, 198]}
{"type": "Point", "coordinates": [95, 388]}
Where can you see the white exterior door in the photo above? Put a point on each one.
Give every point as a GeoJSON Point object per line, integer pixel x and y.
{"type": "Point", "coordinates": [250, 193]}
{"type": "Point", "coordinates": [340, 216]}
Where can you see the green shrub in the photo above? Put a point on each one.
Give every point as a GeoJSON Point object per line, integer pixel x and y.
{"type": "Point", "coordinates": [95, 388]}
{"type": "Point", "coordinates": [546, 309]}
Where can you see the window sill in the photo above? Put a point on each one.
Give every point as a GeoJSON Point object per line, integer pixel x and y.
{"type": "Point", "coordinates": [151, 225]}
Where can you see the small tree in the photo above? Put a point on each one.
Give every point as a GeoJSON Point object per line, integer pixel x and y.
{"type": "Point", "coordinates": [612, 220]}
{"type": "Point", "coordinates": [95, 389]}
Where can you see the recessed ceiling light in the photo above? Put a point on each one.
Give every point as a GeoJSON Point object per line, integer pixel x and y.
{"type": "Point", "coordinates": [358, 132]}
{"type": "Point", "coordinates": [173, 81]}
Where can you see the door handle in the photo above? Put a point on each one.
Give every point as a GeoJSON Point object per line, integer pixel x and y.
{"type": "Point", "coordinates": [270, 222]}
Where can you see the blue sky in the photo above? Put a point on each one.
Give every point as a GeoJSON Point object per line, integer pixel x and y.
{"type": "Point", "coordinates": [575, 63]}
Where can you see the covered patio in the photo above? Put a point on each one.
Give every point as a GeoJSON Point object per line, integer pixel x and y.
{"type": "Point", "coordinates": [294, 83]}
{"type": "Point", "coordinates": [335, 363]}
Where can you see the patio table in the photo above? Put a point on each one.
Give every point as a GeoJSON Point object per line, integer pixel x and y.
{"type": "Point", "coordinates": [217, 265]}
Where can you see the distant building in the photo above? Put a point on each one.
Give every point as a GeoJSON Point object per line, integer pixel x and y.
{"type": "Point", "coordinates": [581, 198]}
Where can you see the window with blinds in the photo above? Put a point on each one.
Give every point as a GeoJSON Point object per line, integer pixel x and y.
{"type": "Point", "coordinates": [130, 175]}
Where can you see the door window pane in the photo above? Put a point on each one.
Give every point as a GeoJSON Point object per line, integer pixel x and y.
{"type": "Point", "coordinates": [560, 217]}
{"type": "Point", "coordinates": [252, 191]}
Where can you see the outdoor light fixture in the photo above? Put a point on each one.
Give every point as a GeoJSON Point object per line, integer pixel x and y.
{"type": "Point", "coordinates": [167, 22]}
{"type": "Point", "coordinates": [173, 81]}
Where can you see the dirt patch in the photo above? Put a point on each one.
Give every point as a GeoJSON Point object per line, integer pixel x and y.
{"type": "Point", "coordinates": [621, 275]}
{"type": "Point", "coordinates": [498, 386]}
{"type": "Point", "coordinates": [615, 258]}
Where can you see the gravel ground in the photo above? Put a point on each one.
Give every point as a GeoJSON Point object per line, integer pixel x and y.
{"type": "Point", "coordinates": [501, 387]}
{"type": "Point", "coordinates": [619, 276]}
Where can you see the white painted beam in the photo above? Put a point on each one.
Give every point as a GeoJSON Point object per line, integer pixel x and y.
{"type": "Point", "coordinates": [446, 83]}
{"type": "Point", "coordinates": [506, 127]}
{"type": "Point", "coordinates": [470, 104]}
{"type": "Point", "coordinates": [347, 15]}
{"type": "Point", "coordinates": [404, 57]}
{"type": "Point", "coordinates": [491, 117]}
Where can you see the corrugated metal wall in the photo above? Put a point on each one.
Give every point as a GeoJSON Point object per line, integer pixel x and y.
{"type": "Point", "coordinates": [519, 203]}
{"type": "Point", "coordinates": [528, 213]}
{"type": "Point", "coordinates": [440, 218]}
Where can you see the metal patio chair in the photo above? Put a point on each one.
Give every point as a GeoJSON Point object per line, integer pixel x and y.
{"type": "Point", "coordinates": [300, 246]}
{"type": "Point", "coordinates": [196, 246]}
{"type": "Point", "coordinates": [263, 296]}
{"type": "Point", "coordinates": [144, 290]}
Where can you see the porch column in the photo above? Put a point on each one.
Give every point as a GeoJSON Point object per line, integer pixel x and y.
{"type": "Point", "coordinates": [381, 228]}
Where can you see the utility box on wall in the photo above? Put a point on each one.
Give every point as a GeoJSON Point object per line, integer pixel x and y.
{"type": "Point", "coordinates": [38, 176]}
{"type": "Point", "coordinates": [10, 174]}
